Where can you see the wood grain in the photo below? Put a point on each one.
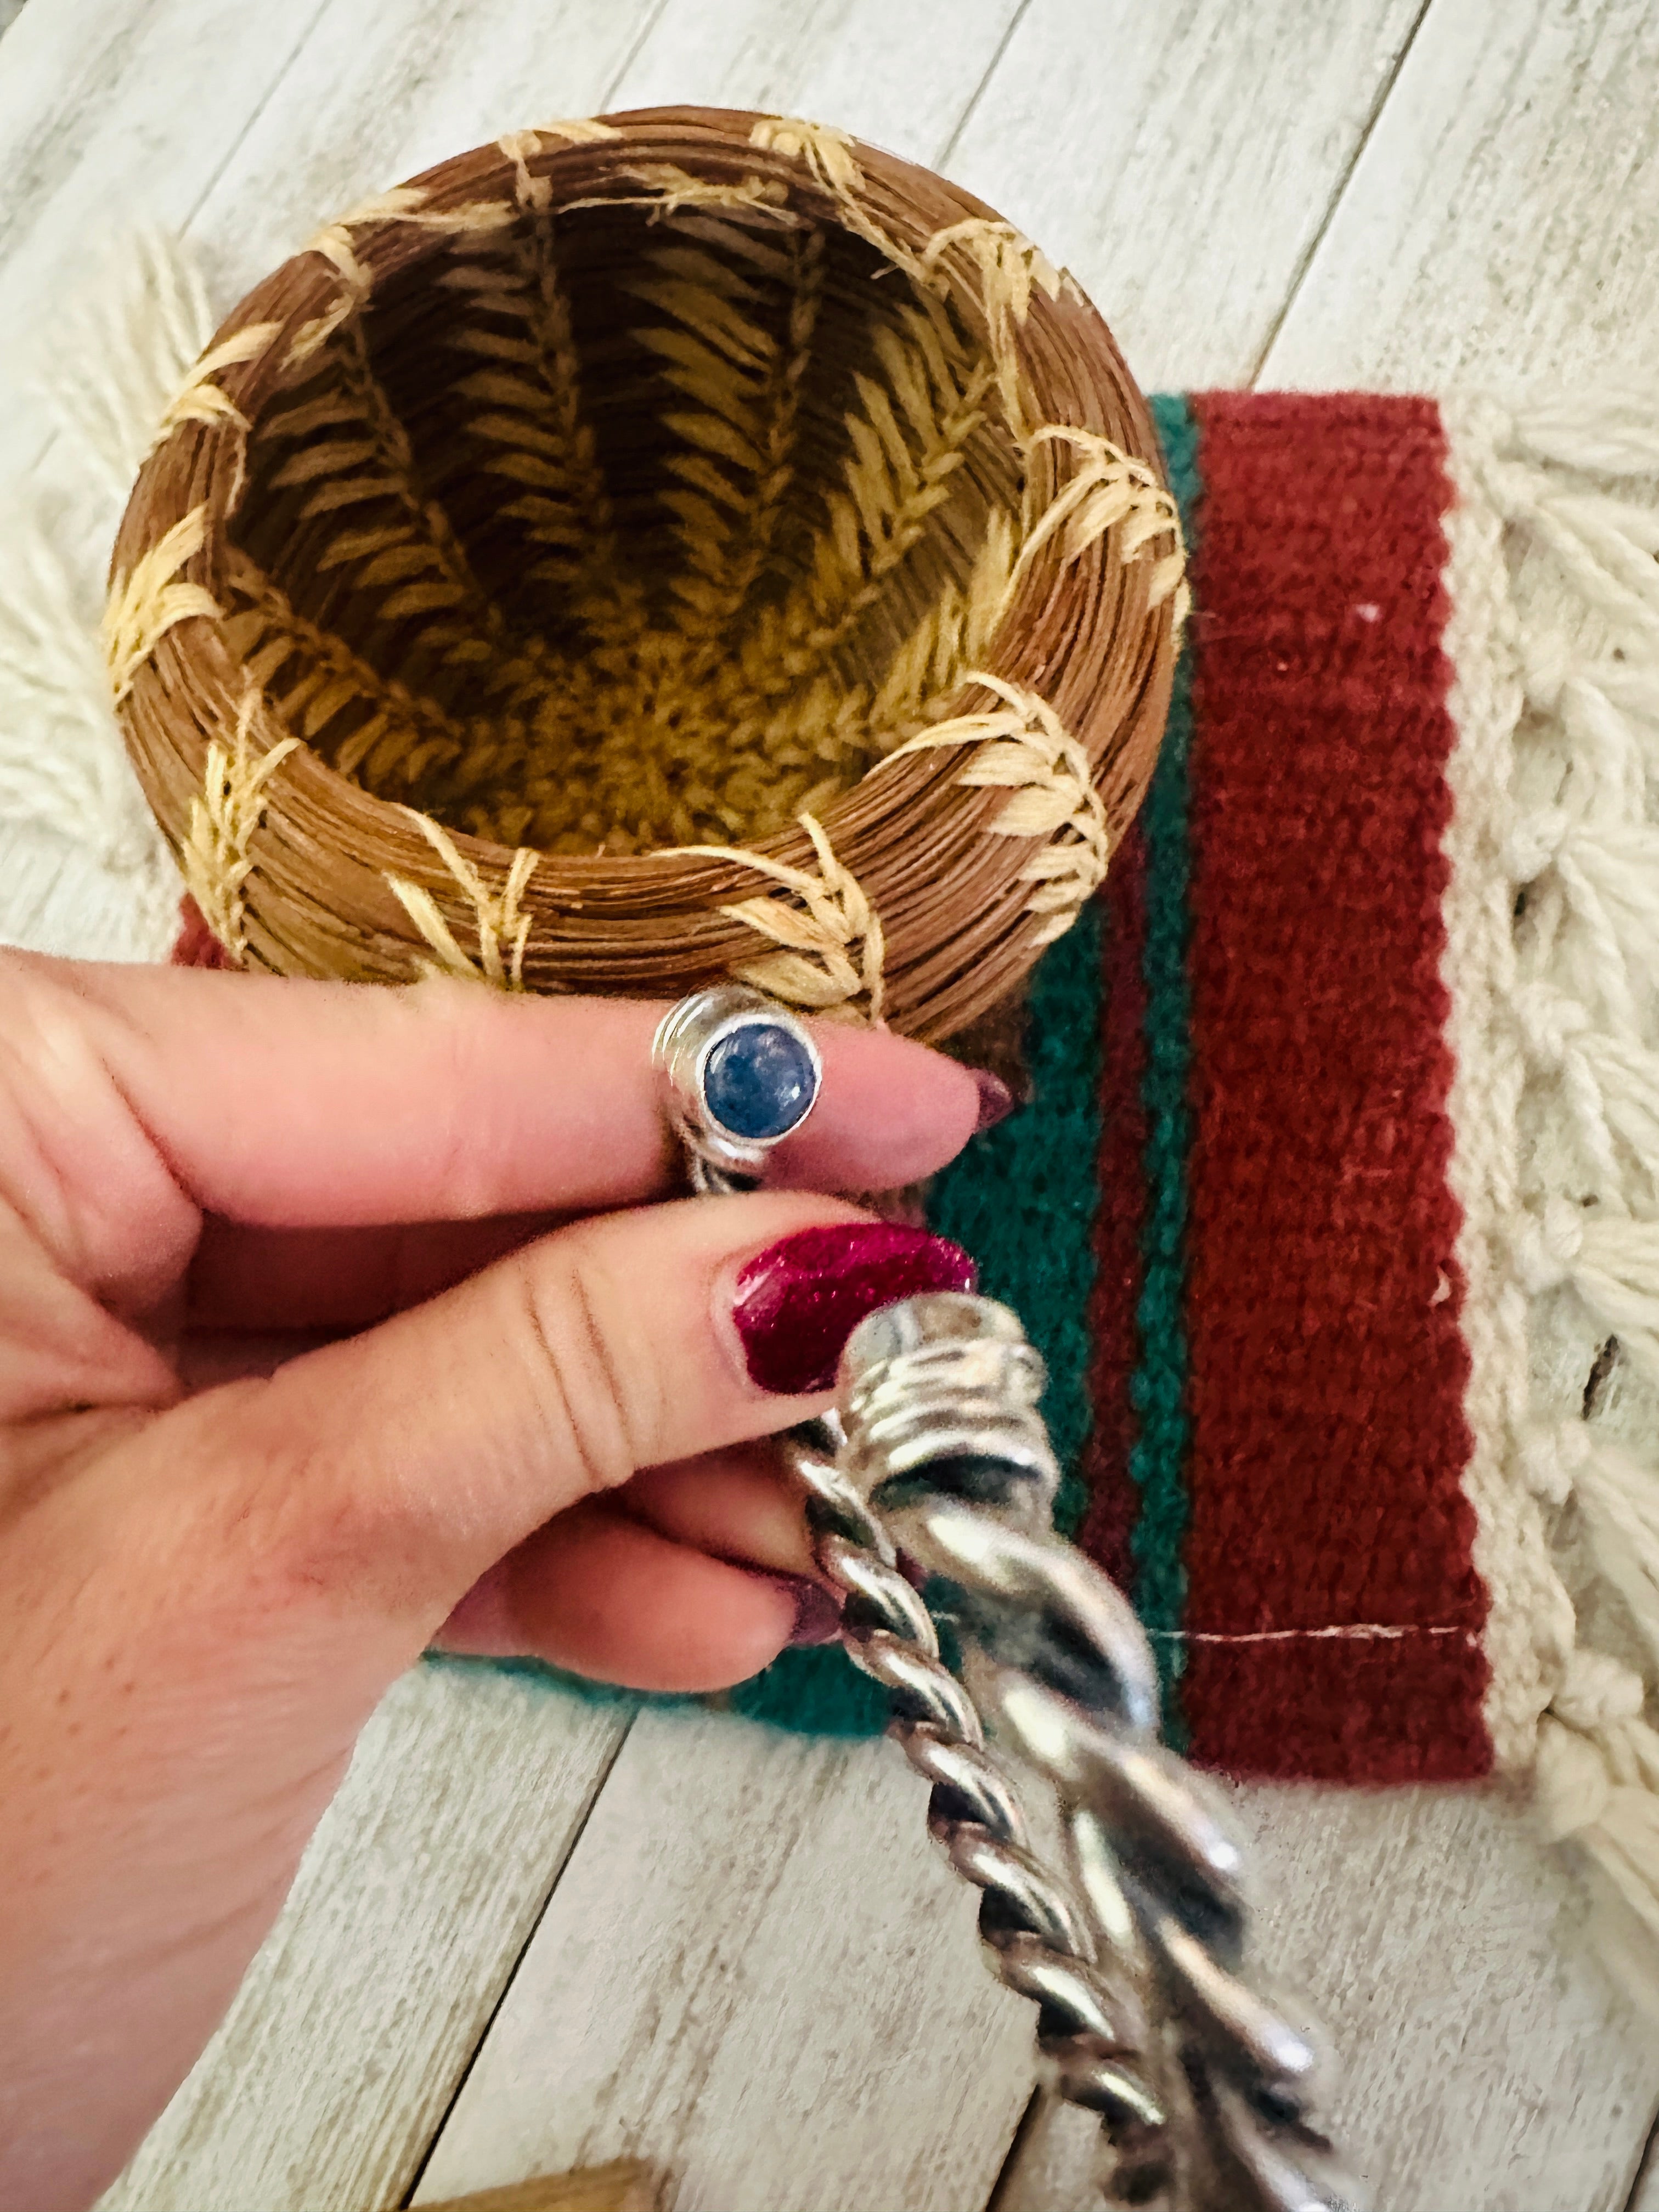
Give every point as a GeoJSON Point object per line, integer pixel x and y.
{"type": "Point", "coordinates": [902, 76]}
{"type": "Point", "coordinates": [1503, 220]}
{"type": "Point", "coordinates": [356, 2020]}
{"type": "Point", "coordinates": [112, 112]}
{"type": "Point", "coordinates": [757, 1970]}
{"type": "Point", "coordinates": [1181, 160]}
{"type": "Point", "coordinates": [386, 91]}
{"type": "Point", "coordinates": [1486, 2064]}
{"type": "Point", "coordinates": [624, 2185]}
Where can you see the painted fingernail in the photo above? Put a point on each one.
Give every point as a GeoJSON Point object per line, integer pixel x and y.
{"type": "Point", "coordinates": [799, 1301]}
{"type": "Point", "coordinates": [817, 1615]}
{"type": "Point", "coordinates": [996, 1100]}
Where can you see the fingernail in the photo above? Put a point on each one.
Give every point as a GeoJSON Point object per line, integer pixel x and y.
{"type": "Point", "coordinates": [996, 1100]}
{"type": "Point", "coordinates": [817, 1615]}
{"type": "Point", "coordinates": [799, 1300]}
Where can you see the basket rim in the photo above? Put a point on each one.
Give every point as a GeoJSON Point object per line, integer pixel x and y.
{"type": "Point", "coordinates": [1053, 642]}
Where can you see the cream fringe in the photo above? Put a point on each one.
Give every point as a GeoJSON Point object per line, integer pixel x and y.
{"type": "Point", "coordinates": [134, 337]}
{"type": "Point", "coordinates": [1552, 927]}
{"type": "Point", "coordinates": [67, 789]}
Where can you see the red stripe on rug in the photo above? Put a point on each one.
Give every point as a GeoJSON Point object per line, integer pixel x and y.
{"type": "Point", "coordinates": [1327, 1365]}
{"type": "Point", "coordinates": [1114, 1498]}
{"type": "Point", "coordinates": [195, 945]}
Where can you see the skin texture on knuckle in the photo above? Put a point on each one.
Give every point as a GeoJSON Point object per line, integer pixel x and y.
{"type": "Point", "coordinates": [76, 1165]}
{"type": "Point", "coordinates": [597, 1385]}
{"type": "Point", "coordinates": [321, 1538]}
{"type": "Point", "coordinates": [458, 1028]}
{"type": "Point", "coordinates": [278, 1516]}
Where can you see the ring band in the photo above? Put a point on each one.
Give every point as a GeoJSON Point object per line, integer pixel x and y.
{"type": "Point", "coordinates": [740, 1073]}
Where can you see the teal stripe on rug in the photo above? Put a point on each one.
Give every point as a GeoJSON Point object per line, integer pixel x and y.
{"type": "Point", "coordinates": [1021, 1198]}
{"type": "Point", "coordinates": [1157, 1461]}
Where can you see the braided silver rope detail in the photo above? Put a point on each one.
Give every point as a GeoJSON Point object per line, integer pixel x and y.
{"type": "Point", "coordinates": [1135, 1953]}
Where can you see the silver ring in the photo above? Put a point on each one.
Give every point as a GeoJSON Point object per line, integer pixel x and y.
{"type": "Point", "coordinates": [740, 1074]}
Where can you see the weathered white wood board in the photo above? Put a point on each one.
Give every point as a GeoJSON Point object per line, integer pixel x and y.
{"type": "Point", "coordinates": [356, 2023]}
{"type": "Point", "coordinates": [757, 1971]}
{"type": "Point", "coordinates": [382, 96]}
{"type": "Point", "coordinates": [112, 112]}
{"type": "Point", "coordinates": [385, 92]}
{"type": "Point", "coordinates": [1486, 2067]}
{"type": "Point", "coordinates": [1503, 220]}
{"type": "Point", "coordinates": [1181, 160]}
{"type": "Point", "coordinates": [900, 75]}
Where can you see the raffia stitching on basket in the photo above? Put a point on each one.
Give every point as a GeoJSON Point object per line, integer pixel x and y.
{"type": "Point", "coordinates": [417, 553]}
{"type": "Point", "coordinates": [827, 156]}
{"type": "Point", "coordinates": [1009, 267]}
{"type": "Point", "coordinates": [769, 704]}
{"type": "Point", "coordinates": [666, 189]}
{"type": "Point", "coordinates": [1111, 487]}
{"type": "Point", "coordinates": [908, 441]}
{"type": "Point", "coordinates": [648, 735]}
{"type": "Point", "coordinates": [404, 203]}
{"type": "Point", "coordinates": [145, 605]}
{"type": "Point", "coordinates": [530, 389]}
{"type": "Point", "coordinates": [216, 858]}
{"type": "Point", "coordinates": [744, 386]}
{"type": "Point", "coordinates": [268, 633]}
{"type": "Point", "coordinates": [199, 399]}
{"type": "Point", "coordinates": [353, 450]}
{"type": "Point", "coordinates": [503, 928]}
{"type": "Point", "coordinates": [955, 633]}
{"type": "Point", "coordinates": [830, 932]}
{"type": "Point", "coordinates": [518, 146]}
{"type": "Point", "coordinates": [1027, 751]}
{"type": "Point", "coordinates": [671, 188]}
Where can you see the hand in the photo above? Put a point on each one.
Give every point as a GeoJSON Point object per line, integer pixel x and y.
{"type": "Point", "coordinates": [330, 1315]}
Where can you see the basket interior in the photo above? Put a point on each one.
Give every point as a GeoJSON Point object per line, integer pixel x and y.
{"type": "Point", "coordinates": [617, 529]}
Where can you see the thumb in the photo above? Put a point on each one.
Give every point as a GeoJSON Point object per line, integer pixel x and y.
{"type": "Point", "coordinates": [388, 1472]}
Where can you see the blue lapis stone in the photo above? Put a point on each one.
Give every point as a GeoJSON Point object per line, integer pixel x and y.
{"type": "Point", "coordinates": [758, 1081]}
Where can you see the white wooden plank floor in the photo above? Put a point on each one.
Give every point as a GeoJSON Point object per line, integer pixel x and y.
{"type": "Point", "coordinates": [532, 1930]}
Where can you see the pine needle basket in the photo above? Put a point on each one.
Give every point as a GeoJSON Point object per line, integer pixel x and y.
{"type": "Point", "coordinates": [650, 549]}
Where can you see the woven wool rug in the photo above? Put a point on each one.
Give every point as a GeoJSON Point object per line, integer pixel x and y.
{"type": "Point", "coordinates": [1335, 1203]}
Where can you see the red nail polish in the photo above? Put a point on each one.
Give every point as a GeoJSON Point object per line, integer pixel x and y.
{"type": "Point", "coordinates": [799, 1301]}
{"type": "Point", "coordinates": [818, 1614]}
{"type": "Point", "coordinates": [996, 1100]}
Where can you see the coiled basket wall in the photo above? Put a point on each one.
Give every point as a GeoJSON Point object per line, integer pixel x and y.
{"type": "Point", "coordinates": [671, 545]}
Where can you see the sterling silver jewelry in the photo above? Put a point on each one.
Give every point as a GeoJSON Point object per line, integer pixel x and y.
{"type": "Point", "coordinates": [740, 1073]}
{"type": "Point", "coordinates": [936, 1465]}
{"type": "Point", "coordinates": [1136, 1952]}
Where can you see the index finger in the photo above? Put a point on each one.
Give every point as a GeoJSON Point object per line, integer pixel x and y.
{"type": "Point", "coordinates": [284, 1103]}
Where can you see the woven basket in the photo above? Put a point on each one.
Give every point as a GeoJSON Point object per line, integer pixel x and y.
{"type": "Point", "coordinates": [646, 550]}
